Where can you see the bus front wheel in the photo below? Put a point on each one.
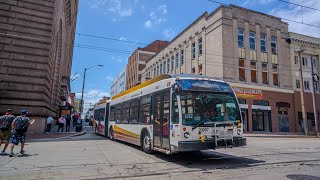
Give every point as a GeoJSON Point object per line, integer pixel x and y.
{"type": "Point", "coordinates": [146, 143]}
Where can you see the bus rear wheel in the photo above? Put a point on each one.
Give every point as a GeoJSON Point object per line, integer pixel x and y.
{"type": "Point", "coordinates": [146, 143]}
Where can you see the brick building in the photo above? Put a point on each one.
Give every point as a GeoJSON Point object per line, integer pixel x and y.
{"type": "Point", "coordinates": [246, 48]}
{"type": "Point", "coordinates": [137, 61]}
{"type": "Point", "coordinates": [36, 47]}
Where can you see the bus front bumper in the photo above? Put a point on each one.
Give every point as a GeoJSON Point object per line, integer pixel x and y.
{"type": "Point", "coordinates": [184, 146]}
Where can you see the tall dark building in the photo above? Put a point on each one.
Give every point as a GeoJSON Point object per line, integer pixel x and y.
{"type": "Point", "coordinates": [36, 47]}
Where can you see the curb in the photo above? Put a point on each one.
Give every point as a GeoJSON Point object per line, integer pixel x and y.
{"type": "Point", "coordinates": [280, 136]}
{"type": "Point", "coordinates": [59, 138]}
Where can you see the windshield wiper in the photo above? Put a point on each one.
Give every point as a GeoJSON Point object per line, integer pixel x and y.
{"type": "Point", "coordinates": [206, 118]}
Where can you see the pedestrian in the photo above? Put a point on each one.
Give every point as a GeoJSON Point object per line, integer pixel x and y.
{"type": "Point", "coordinates": [74, 120]}
{"type": "Point", "coordinates": [68, 122]}
{"type": "Point", "coordinates": [49, 123]}
{"type": "Point", "coordinates": [20, 127]}
{"type": "Point", "coordinates": [5, 129]}
{"type": "Point", "coordinates": [61, 123]}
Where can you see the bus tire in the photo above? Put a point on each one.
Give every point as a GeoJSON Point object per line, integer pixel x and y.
{"type": "Point", "coordinates": [146, 143]}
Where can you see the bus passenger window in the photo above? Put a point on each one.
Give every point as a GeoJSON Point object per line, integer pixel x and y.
{"type": "Point", "coordinates": [125, 116]}
{"type": "Point", "coordinates": [134, 111]}
{"type": "Point", "coordinates": [118, 116]}
{"type": "Point", "coordinates": [144, 115]}
{"type": "Point", "coordinates": [175, 110]}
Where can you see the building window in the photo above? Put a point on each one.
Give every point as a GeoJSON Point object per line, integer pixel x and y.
{"type": "Point", "coordinates": [193, 47]}
{"type": "Point", "coordinates": [304, 61]}
{"type": "Point", "coordinates": [306, 85]}
{"type": "Point", "coordinates": [242, 72]}
{"type": "Point", "coordinates": [273, 45]}
{"type": "Point", "coordinates": [316, 86]}
{"type": "Point", "coordinates": [154, 72]}
{"type": "Point", "coordinates": [240, 38]}
{"type": "Point", "coordinates": [177, 60]}
{"type": "Point", "coordinates": [295, 59]}
{"type": "Point", "coordinates": [263, 43]}
{"type": "Point", "coordinates": [252, 40]}
{"type": "Point", "coordinates": [172, 63]}
{"type": "Point", "coordinates": [298, 83]}
{"type": "Point", "coordinates": [164, 67]}
{"type": "Point", "coordinates": [168, 70]}
{"type": "Point", "coordinates": [161, 68]}
{"type": "Point", "coordinates": [261, 103]}
{"type": "Point", "coordinates": [200, 46]}
{"type": "Point", "coordinates": [265, 73]}
{"type": "Point", "coordinates": [158, 69]}
{"type": "Point", "coordinates": [242, 101]}
{"type": "Point", "coordinates": [200, 69]}
{"type": "Point", "coordinates": [253, 65]}
{"type": "Point", "coordinates": [275, 74]}
{"type": "Point", "coordinates": [181, 57]}
{"type": "Point", "coordinates": [314, 62]}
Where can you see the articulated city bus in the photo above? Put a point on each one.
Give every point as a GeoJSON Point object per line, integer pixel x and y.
{"type": "Point", "coordinates": [176, 113]}
{"type": "Point", "coordinates": [100, 116]}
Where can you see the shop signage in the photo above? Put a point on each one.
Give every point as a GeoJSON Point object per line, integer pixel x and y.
{"type": "Point", "coordinates": [248, 93]}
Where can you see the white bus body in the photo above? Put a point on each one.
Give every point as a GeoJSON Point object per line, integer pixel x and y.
{"type": "Point", "coordinates": [100, 118]}
{"type": "Point", "coordinates": [169, 114]}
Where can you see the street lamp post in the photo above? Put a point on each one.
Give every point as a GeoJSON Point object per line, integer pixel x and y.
{"type": "Point", "coordinates": [83, 82]}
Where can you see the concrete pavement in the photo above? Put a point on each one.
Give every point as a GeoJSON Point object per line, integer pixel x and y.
{"type": "Point", "coordinates": [94, 157]}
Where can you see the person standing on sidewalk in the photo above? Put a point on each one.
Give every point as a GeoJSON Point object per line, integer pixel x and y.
{"type": "Point", "coordinates": [49, 124]}
{"type": "Point", "coordinates": [5, 129]}
{"type": "Point", "coordinates": [68, 122]}
{"type": "Point", "coordinates": [74, 120]}
{"type": "Point", "coordinates": [20, 127]}
{"type": "Point", "coordinates": [61, 123]}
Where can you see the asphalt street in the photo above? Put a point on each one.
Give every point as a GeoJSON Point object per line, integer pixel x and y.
{"type": "Point", "coordinates": [94, 157]}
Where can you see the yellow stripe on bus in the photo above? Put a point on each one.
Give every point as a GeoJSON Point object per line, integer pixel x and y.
{"type": "Point", "coordinates": [123, 131]}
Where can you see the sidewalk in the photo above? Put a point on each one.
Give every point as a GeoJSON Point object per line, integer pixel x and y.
{"type": "Point", "coordinates": [278, 135]}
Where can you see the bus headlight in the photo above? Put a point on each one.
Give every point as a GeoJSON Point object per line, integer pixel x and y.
{"type": "Point", "coordinates": [239, 131]}
{"type": "Point", "coordinates": [186, 135]}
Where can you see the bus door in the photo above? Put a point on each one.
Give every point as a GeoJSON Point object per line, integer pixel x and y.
{"type": "Point", "coordinates": [162, 120]}
{"type": "Point", "coordinates": [106, 121]}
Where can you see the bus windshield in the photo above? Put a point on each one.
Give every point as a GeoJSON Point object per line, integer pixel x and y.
{"type": "Point", "coordinates": [208, 107]}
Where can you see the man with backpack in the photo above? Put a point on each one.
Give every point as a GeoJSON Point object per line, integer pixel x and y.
{"type": "Point", "coordinates": [19, 128]}
{"type": "Point", "coordinates": [5, 129]}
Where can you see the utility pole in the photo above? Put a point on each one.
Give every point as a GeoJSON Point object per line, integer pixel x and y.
{"type": "Point", "coordinates": [84, 79]}
{"type": "Point", "coordinates": [315, 79]}
{"type": "Point", "coordinates": [81, 102]}
{"type": "Point", "coordinates": [304, 116]}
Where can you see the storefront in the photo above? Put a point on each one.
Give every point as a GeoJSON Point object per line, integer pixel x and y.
{"type": "Point", "coordinates": [266, 111]}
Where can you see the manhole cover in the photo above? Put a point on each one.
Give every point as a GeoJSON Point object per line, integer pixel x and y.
{"type": "Point", "coordinates": [302, 177]}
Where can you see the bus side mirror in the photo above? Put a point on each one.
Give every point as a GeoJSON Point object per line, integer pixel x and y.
{"type": "Point", "coordinates": [176, 88]}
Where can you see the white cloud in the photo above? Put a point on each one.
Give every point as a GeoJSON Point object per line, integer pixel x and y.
{"type": "Point", "coordinates": [293, 12]}
{"type": "Point", "coordinates": [148, 24]}
{"type": "Point", "coordinates": [116, 7]}
{"type": "Point", "coordinates": [163, 9]}
{"type": "Point", "coordinates": [92, 96]}
{"type": "Point", "coordinates": [123, 39]}
{"type": "Point", "coordinates": [109, 78]}
{"type": "Point", "coordinates": [169, 33]}
{"type": "Point", "coordinates": [157, 16]}
{"type": "Point", "coordinates": [117, 59]}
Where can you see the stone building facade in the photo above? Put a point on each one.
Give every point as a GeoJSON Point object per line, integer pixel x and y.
{"type": "Point", "coordinates": [36, 47]}
{"type": "Point", "coordinates": [137, 62]}
{"type": "Point", "coordinates": [309, 59]}
{"type": "Point", "coordinates": [246, 48]}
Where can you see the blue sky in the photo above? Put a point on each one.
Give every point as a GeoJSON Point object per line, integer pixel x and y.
{"type": "Point", "coordinates": [144, 21]}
